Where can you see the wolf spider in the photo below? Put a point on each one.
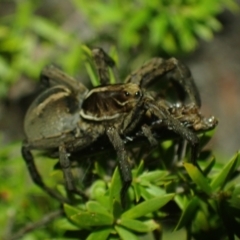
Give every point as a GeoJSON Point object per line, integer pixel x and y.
{"type": "Point", "coordinates": [70, 118]}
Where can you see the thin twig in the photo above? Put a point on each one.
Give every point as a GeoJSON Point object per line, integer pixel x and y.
{"type": "Point", "coordinates": [32, 226]}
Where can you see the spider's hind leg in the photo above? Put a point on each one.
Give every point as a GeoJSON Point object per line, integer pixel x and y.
{"type": "Point", "coordinates": [35, 175]}
{"type": "Point", "coordinates": [51, 76]}
{"type": "Point", "coordinates": [67, 172]}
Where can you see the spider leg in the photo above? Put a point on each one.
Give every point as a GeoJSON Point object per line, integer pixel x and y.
{"type": "Point", "coordinates": [148, 134]}
{"type": "Point", "coordinates": [166, 119]}
{"type": "Point", "coordinates": [52, 75]}
{"type": "Point", "coordinates": [36, 177]}
{"type": "Point", "coordinates": [68, 176]}
{"type": "Point", "coordinates": [174, 70]}
{"type": "Point", "coordinates": [102, 63]}
{"type": "Point", "coordinates": [124, 165]}
{"type": "Point", "coordinates": [182, 75]}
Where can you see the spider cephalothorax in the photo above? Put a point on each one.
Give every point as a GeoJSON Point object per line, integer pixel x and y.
{"type": "Point", "coordinates": [70, 118]}
{"type": "Point", "coordinates": [110, 102]}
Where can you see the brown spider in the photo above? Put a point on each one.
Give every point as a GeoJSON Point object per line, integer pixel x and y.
{"type": "Point", "coordinates": [70, 118]}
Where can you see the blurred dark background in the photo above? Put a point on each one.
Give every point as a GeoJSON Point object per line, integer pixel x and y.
{"type": "Point", "coordinates": [216, 68]}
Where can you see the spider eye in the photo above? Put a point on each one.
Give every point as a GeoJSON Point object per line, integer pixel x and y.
{"type": "Point", "coordinates": [126, 93]}
{"type": "Point", "coordinates": [137, 94]}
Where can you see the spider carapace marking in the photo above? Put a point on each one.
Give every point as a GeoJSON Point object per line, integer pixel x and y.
{"type": "Point", "coordinates": [109, 102]}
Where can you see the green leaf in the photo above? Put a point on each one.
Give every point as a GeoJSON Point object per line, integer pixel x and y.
{"type": "Point", "coordinates": [100, 234]}
{"type": "Point", "coordinates": [49, 30]}
{"type": "Point", "coordinates": [137, 191]}
{"type": "Point", "coordinates": [87, 51]}
{"type": "Point", "coordinates": [115, 188]}
{"type": "Point", "coordinates": [70, 211]}
{"type": "Point", "coordinates": [117, 209]}
{"type": "Point", "coordinates": [181, 201]}
{"type": "Point", "coordinates": [169, 43]}
{"type": "Point", "coordinates": [96, 207]}
{"type": "Point", "coordinates": [86, 219]}
{"type": "Point", "coordinates": [221, 178]}
{"type": "Point", "coordinates": [158, 27]}
{"type": "Point", "coordinates": [152, 225]}
{"type": "Point", "coordinates": [93, 77]}
{"type": "Point", "coordinates": [214, 24]}
{"type": "Point", "coordinates": [155, 190]}
{"type": "Point", "coordinates": [24, 13]}
{"type": "Point", "coordinates": [147, 207]}
{"type": "Point", "coordinates": [125, 234]}
{"type": "Point", "coordinates": [198, 177]}
{"type": "Point", "coordinates": [140, 169]}
{"type": "Point", "coordinates": [134, 225]}
{"type": "Point", "coordinates": [209, 166]}
{"type": "Point", "coordinates": [145, 193]}
{"type": "Point", "coordinates": [153, 176]}
{"type": "Point", "coordinates": [99, 170]}
{"type": "Point", "coordinates": [98, 191]}
{"type": "Point", "coordinates": [187, 40]}
{"type": "Point", "coordinates": [235, 199]}
{"type": "Point", "coordinates": [203, 31]}
{"type": "Point", "coordinates": [73, 59]}
{"type": "Point", "coordinates": [111, 76]}
{"type": "Point", "coordinates": [188, 213]}
{"type": "Point", "coordinates": [64, 224]}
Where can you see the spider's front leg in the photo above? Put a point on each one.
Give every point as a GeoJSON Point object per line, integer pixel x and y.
{"type": "Point", "coordinates": [173, 124]}
{"type": "Point", "coordinates": [173, 70]}
{"type": "Point", "coordinates": [124, 165]}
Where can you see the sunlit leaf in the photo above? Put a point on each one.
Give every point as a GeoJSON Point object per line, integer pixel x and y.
{"type": "Point", "coordinates": [137, 191]}
{"type": "Point", "coordinates": [70, 210]}
{"type": "Point", "coordinates": [86, 219]}
{"type": "Point", "coordinates": [188, 213]}
{"type": "Point", "coordinates": [209, 166]}
{"type": "Point", "coordinates": [153, 176]}
{"type": "Point", "coordinates": [203, 31]}
{"type": "Point", "coordinates": [147, 207]}
{"type": "Point", "coordinates": [221, 178]}
{"type": "Point", "coordinates": [96, 207]}
{"type": "Point", "coordinates": [115, 187]}
{"type": "Point", "coordinates": [198, 177]}
{"type": "Point", "coordinates": [134, 225]}
{"type": "Point", "coordinates": [100, 234]}
{"type": "Point", "coordinates": [91, 73]}
{"type": "Point", "coordinates": [125, 234]}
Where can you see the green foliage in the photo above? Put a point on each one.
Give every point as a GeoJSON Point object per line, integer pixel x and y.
{"type": "Point", "coordinates": [29, 39]}
{"type": "Point", "coordinates": [202, 201]}
{"type": "Point", "coordinates": [205, 203]}
{"type": "Point", "coordinates": [169, 26]}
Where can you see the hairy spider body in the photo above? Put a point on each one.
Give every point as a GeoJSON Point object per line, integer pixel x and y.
{"type": "Point", "coordinates": [70, 118]}
{"type": "Point", "coordinates": [110, 101]}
